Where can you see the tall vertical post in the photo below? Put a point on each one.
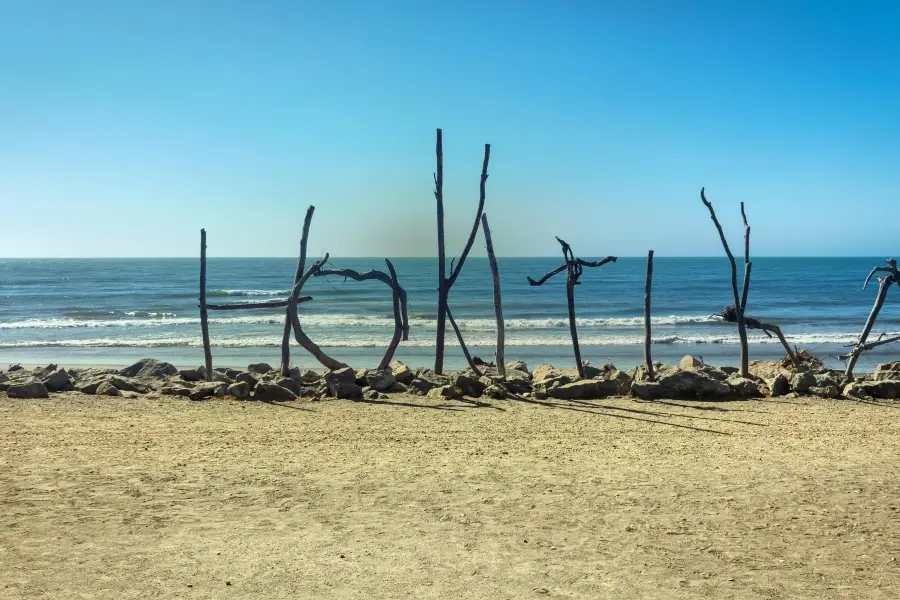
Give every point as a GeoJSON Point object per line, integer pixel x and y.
{"type": "Point", "coordinates": [648, 361]}
{"type": "Point", "coordinates": [442, 257]}
{"type": "Point", "coordinates": [498, 307]}
{"type": "Point", "coordinates": [204, 316]}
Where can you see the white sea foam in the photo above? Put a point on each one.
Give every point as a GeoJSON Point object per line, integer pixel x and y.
{"type": "Point", "coordinates": [220, 293]}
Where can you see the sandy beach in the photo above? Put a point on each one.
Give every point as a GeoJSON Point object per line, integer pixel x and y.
{"type": "Point", "coordinates": [412, 497]}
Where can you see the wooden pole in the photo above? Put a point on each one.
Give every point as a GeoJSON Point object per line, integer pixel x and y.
{"type": "Point", "coordinates": [301, 267]}
{"type": "Point", "coordinates": [204, 315]}
{"type": "Point", "coordinates": [499, 356]}
{"type": "Point", "coordinates": [648, 361]}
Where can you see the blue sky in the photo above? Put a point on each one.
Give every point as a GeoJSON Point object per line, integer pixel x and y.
{"type": "Point", "coordinates": [126, 126]}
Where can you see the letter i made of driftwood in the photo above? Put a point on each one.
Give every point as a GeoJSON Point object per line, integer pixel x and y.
{"type": "Point", "coordinates": [574, 268]}
{"type": "Point", "coordinates": [446, 282]}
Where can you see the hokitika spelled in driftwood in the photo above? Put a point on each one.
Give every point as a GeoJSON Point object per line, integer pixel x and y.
{"type": "Point", "coordinates": [446, 282]}
{"type": "Point", "coordinates": [892, 277]}
{"type": "Point", "coordinates": [573, 267]}
{"type": "Point", "coordinates": [401, 321]}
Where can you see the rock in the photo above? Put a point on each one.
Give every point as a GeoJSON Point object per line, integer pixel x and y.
{"type": "Point", "coordinates": [743, 387]}
{"type": "Point", "coordinates": [681, 385]}
{"type": "Point", "coordinates": [360, 375]}
{"type": "Point", "coordinates": [422, 386]}
{"type": "Point", "coordinates": [13, 368]}
{"type": "Point", "coordinates": [290, 384]}
{"type": "Point", "coordinates": [779, 386]}
{"type": "Point", "coordinates": [801, 382]}
{"type": "Point", "coordinates": [310, 377]}
{"type": "Point", "coordinates": [768, 370]}
{"type": "Point", "coordinates": [401, 372]}
{"type": "Point", "coordinates": [433, 377]}
{"type": "Point", "coordinates": [469, 385]}
{"type": "Point", "coordinates": [260, 368]}
{"type": "Point", "coordinates": [517, 382]}
{"type": "Point", "coordinates": [266, 391]}
{"type": "Point", "coordinates": [887, 371]}
{"type": "Point", "coordinates": [107, 389]}
{"type": "Point", "coordinates": [886, 389]}
{"type": "Point", "coordinates": [208, 390]}
{"type": "Point", "coordinates": [149, 367]}
{"type": "Point", "coordinates": [231, 373]}
{"type": "Point", "coordinates": [495, 391]}
{"type": "Point", "coordinates": [89, 386]}
{"type": "Point", "coordinates": [342, 384]}
{"type": "Point", "coordinates": [620, 381]}
{"type": "Point", "coordinates": [171, 390]}
{"type": "Point", "coordinates": [28, 388]}
{"type": "Point", "coordinates": [372, 394]}
{"type": "Point", "coordinates": [445, 391]}
{"type": "Point", "coordinates": [828, 379]}
{"type": "Point", "coordinates": [828, 391]}
{"type": "Point", "coordinates": [856, 390]}
{"type": "Point", "coordinates": [689, 363]}
{"type": "Point", "coordinates": [247, 378]}
{"type": "Point", "coordinates": [542, 372]}
{"type": "Point", "coordinates": [222, 378]}
{"type": "Point", "coordinates": [517, 365]}
{"type": "Point", "coordinates": [380, 380]}
{"type": "Point", "coordinates": [585, 389]}
{"type": "Point", "coordinates": [398, 388]}
{"type": "Point", "coordinates": [545, 376]}
{"type": "Point", "coordinates": [192, 374]}
{"type": "Point", "coordinates": [57, 380]}
{"type": "Point", "coordinates": [127, 385]}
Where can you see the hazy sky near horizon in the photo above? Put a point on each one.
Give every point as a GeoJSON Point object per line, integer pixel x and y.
{"type": "Point", "coordinates": [125, 127]}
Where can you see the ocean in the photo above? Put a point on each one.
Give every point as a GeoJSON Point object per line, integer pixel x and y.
{"type": "Point", "coordinates": [114, 311]}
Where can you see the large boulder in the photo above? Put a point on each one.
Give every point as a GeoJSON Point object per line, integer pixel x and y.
{"type": "Point", "coordinates": [261, 368]}
{"type": "Point", "coordinates": [827, 391]}
{"type": "Point", "coordinates": [518, 366]}
{"type": "Point", "coordinates": [267, 391]}
{"type": "Point", "coordinates": [745, 388]}
{"type": "Point", "coordinates": [57, 381]}
{"type": "Point", "coordinates": [779, 386]}
{"type": "Point", "coordinates": [680, 385]}
{"type": "Point", "coordinates": [768, 370]}
{"type": "Point", "coordinates": [175, 390]}
{"type": "Point", "coordinates": [239, 390]}
{"type": "Point", "coordinates": [208, 390]}
{"type": "Point", "coordinates": [401, 372]}
{"type": "Point", "coordinates": [150, 368]}
{"type": "Point", "coordinates": [27, 388]}
{"type": "Point", "coordinates": [495, 391]}
{"type": "Point", "coordinates": [585, 389]}
{"type": "Point", "coordinates": [517, 381]}
{"type": "Point", "coordinates": [290, 384]}
{"type": "Point", "coordinates": [887, 371]}
{"type": "Point", "coordinates": [689, 363]}
{"type": "Point", "coordinates": [469, 385]}
{"type": "Point", "coordinates": [193, 374]}
{"type": "Point", "coordinates": [247, 378]}
{"type": "Point", "coordinates": [422, 386]}
{"type": "Point", "coordinates": [380, 380]}
{"type": "Point", "coordinates": [801, 382]}
{"type": "Point", "coordinates": [342, 384]}
{"type": "Point", "coordinates": [886, 389]}
{"type": "Point", "coordinates": [445, 391]}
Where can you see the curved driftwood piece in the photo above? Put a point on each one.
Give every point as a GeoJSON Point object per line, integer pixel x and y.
{"type": "Point", "coordinates": [300, 336]}
{"type": "Point", "coordinates": [574, 268]}
{"type": "Point", "coordinates": [738, 303]}
{"type": "Point", "coordinates": [301, 267]}
{"type": "Point", "coordinates": [462, 344]}
{"type": "Point", "coordinates": [499, 355]}
{"type": "Point", "coordinates": [446, 282]}
{"type": "Point", "coordinates": [648, 361]}
{"type": "Point", "coordinates": [892, 277]}
{"type": "Point", "coordinates": [729, 314]}
{"type": "Point", "coordinates": [204, 316]}
{"type": "Point", "coordinates": [398, 298]}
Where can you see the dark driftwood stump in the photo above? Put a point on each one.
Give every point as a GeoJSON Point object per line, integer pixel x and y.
{"type": "Point", "coordinates": [398, 299]}
{"type": "Point", "coordinates": [204, 315]}
{"type": "Point", "coordinates": [574, 268]}
{"type": "Point", "coordinates": [445, 282]}
{"type": "Point", "coordinates": [885, 282]}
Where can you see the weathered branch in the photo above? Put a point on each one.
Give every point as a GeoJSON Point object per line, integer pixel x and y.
{"type": "Point", "coordinates": [543, 279]}
{"type": "Point", "coordinates": [471, 241]}
{"type": "Point", "coordinates": [498, 306]}
{"type": "Point", "coordinates": [883, 286]}
{"type": "Point", "coordinates": [712, 215]}
{"type": "Point", "coordinates": [356, 275]}
{"type": "Point", "coordinates": [204, 316]}
{"type": "Point", "coordinates": [596, 263]}
{"type": "Point", "coordinates": [648, 362]}
{"type": "Point", "coordinates": [870, 345]}
{"type": "Point", "coordinates": [403, 299]}
{"type": "Point", "coordinates": [301, 337]}
{"type": "Point", "coordinates": [462, 344]}
{"type": "Point", "coordinates": [252, 305]}
{"type": "Point", "coordinates": [301, 267]}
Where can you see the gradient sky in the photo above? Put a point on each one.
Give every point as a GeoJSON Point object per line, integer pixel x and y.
{"type": "Point", "coordinates": [127, 126]}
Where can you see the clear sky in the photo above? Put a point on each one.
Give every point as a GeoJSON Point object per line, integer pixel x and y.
{"type": "Point", "coordinates": [126, 126]}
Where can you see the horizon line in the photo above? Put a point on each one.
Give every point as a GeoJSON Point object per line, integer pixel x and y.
{"type": "Point", "coordinates": [197, 257]}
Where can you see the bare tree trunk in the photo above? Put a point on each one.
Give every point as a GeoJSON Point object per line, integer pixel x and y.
{"type": "Point", "coordinates": [462, 344]}
{"type": "Point", "coordinates": [301, 267]}
{"type": "Point", "coordinates": [445, 282]}
{"type": "Point", "coordinates": [570, 300]}
{"type": "Point", "coordinates": [742, 321]}
{"type": "Point", "coordinates": [648, 361]}
{"type": "Point", "coordinates": [883, 286]}
{"type": "Point", "coordinates": [499, 357]}
{"type": "Point", "coordinates": [204, 315]}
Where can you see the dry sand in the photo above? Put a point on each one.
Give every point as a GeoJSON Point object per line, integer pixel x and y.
{"type": "Point", "coordinates": [167, 498]}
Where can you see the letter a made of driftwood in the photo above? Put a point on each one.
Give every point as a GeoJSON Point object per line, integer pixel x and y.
{"type": "Point", "coordinates": [446, 282]}
{"type": "Point", "coordinates": [736, 313]}
{"type": "Point", "coordinates": [892, 277]}
{"type": "Point", "coordinates": [401, 321]}
{"type": "Point", "coordinates": [574, 267]}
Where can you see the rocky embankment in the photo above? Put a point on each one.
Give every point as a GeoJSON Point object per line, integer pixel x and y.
{"type": "Point", "coordinates": [690, 380]}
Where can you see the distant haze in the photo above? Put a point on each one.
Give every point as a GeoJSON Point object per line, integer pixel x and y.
{"type": "Point", "coordinates": [126, 127]}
